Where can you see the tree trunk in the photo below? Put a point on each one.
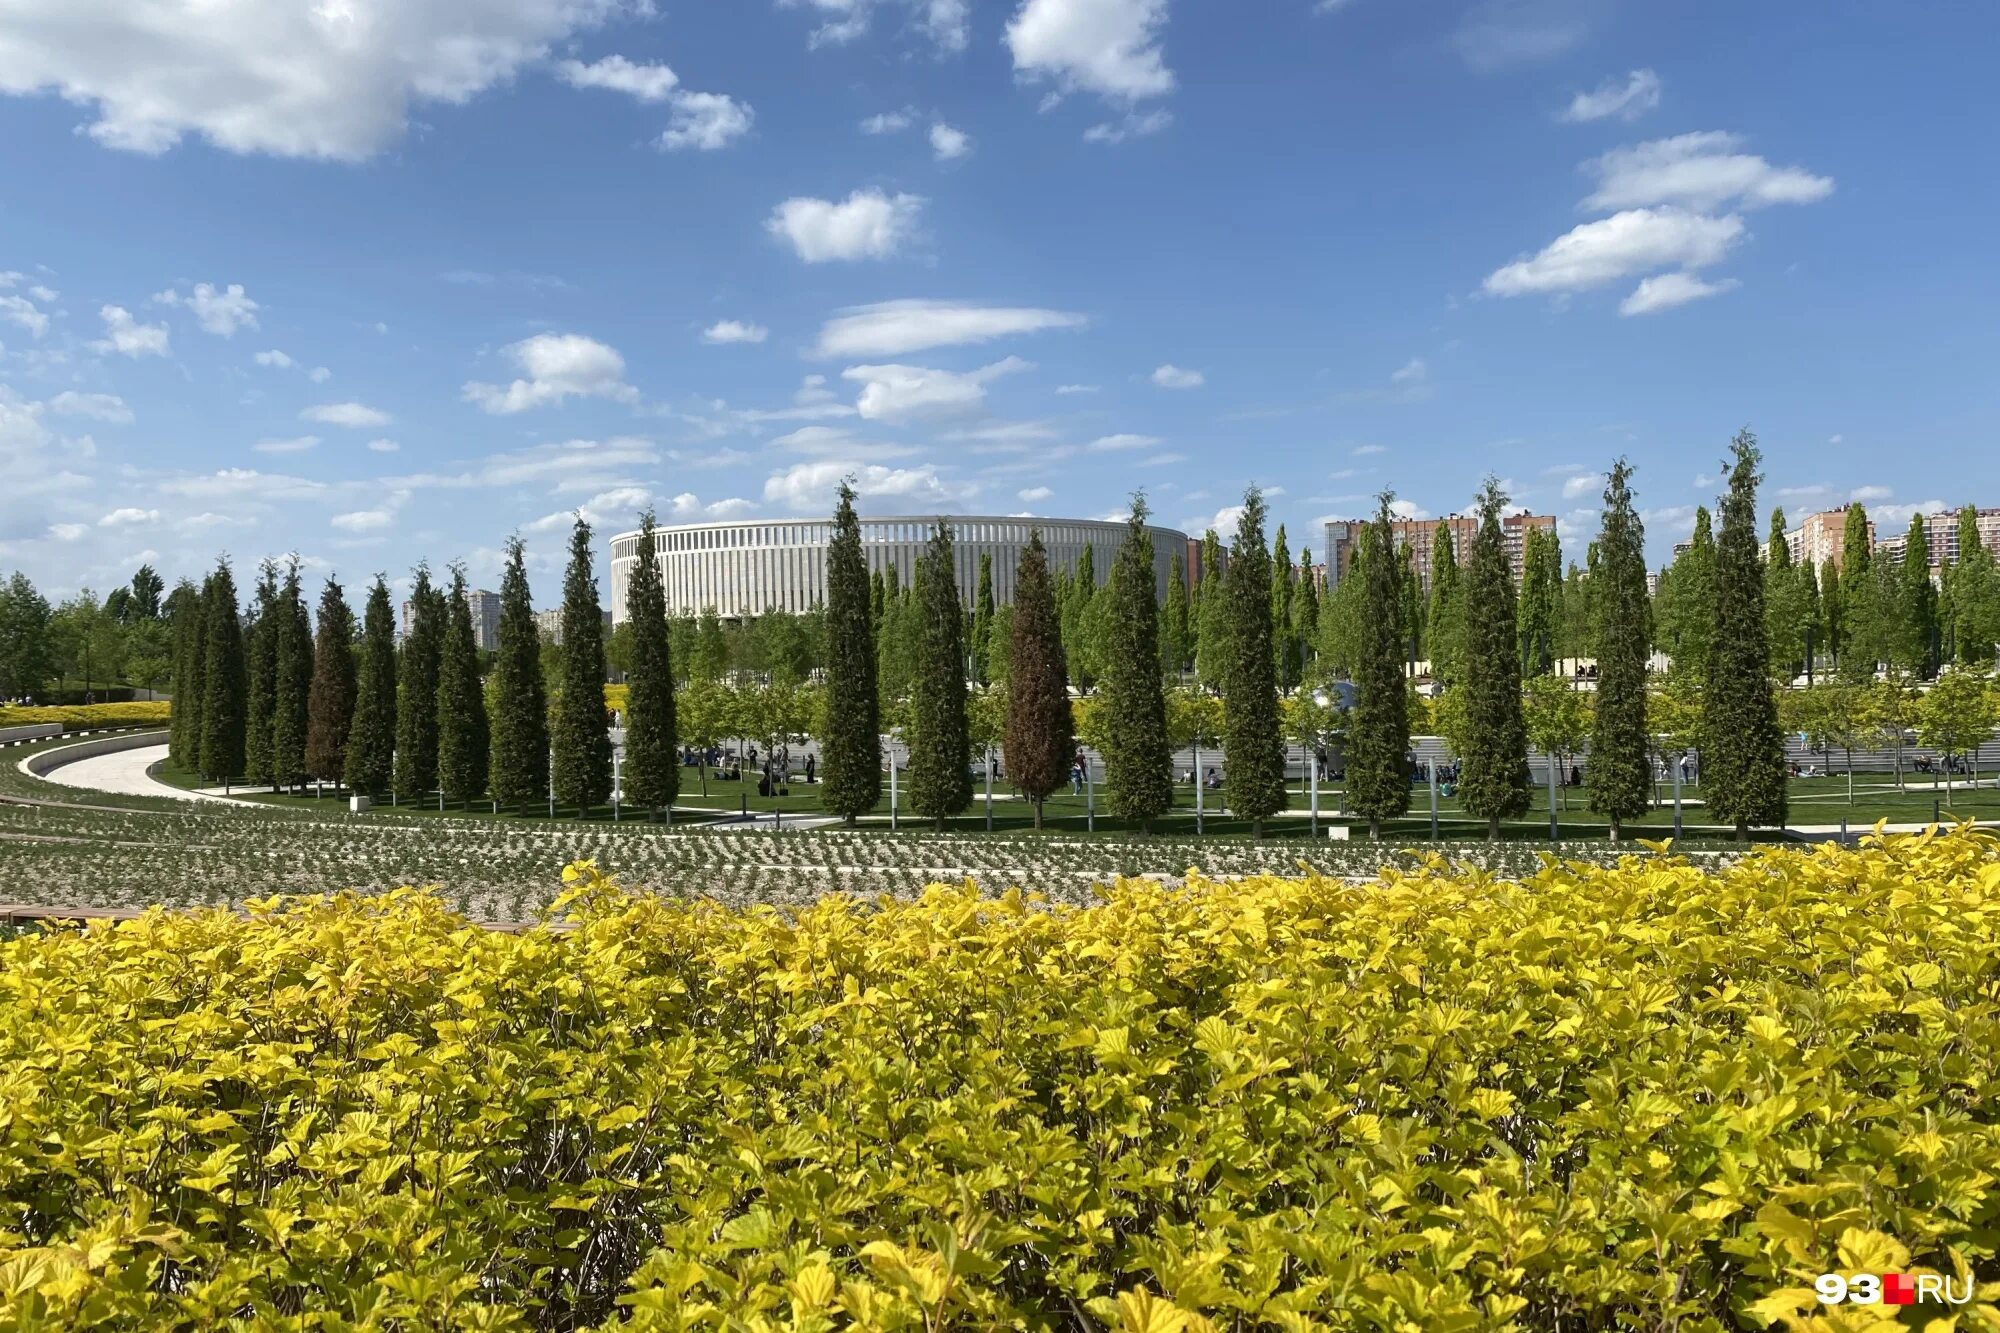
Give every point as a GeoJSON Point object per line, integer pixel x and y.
{"type": "Point", "coordinates": [1257, 829]}
{"type": "Point", "coordinates": [1038, 811]}
{"type": "Point", "coordinates": [1742, 830]}
{"type": "Point", "coordinates": [1375, 828]}
{"type": "Point", "coordinates": [1616, 828]}
{"type": "Point", "coordinates": [1493, 828]}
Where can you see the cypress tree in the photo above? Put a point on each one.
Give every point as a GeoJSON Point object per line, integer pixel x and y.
{"type": "Point", "coordinates": [851, 750]}
{"type": "Point", "coordinates": [1413, 607]}
{"type": "Point", "coordinates": [1305, 614]}
{"type": "Point", "coordinates": [652, 775]}
{"type": "Point", "coordinates": [330, 702]}
{"type": "Point", "coordinates": [417, 684]}
{"type": "Point", "coordinates": [1494, 782]}
{"type": "Point", "coordinates": [1039, 743]}
{"type": "Point", "coordinates": [1176, 627]}
{"type": "Point", "coordinates": [1621, 773]}
{"type": "Point", "coordinates": [260, 708]}
{"type": "Point", "coordinates": [461, 701]}
{"type": "Point", "coordinates": [1082, 590]}
{"type": "Point", "coordinates": [371, 741]}
{"type": "Point", "coordinates": [940, 739]}
{"type": "Point", "coordinates": [293, 677]}
{"type": "Point", "coordinates": [1378, 733]}
{"type": "Point", "coordinates": [580, 740]}
{"type": "Point", "coordinates": [1445, 627]}
{"type": "Point", "coordinates": [520, 763]}
{"type": "Point", "coordinates": [1919, 601]}
{"type": "Point", "coordinates": [1541, 596]}
{"type": "Point", "coordinates": [184, 720]}
{"type": "Point", "coordinates": [1138, 759]}
{"type": "Point", "coordinates": [1284, 661]}
{"type": "Point", "coordinates": [1857, 546]}
{"type": "Point", "coordinates": [1975, 595]}
{"type": "Point", "coordinates": [1211, 616]}
{"type": "Point", "coordinates": [982, 621]}
{"type": "Point", "coordinates": [1832, 608]}
{"type": "Point", "coordinates": [1688, 621]}
{"type": "Point", "coordinates": [224, 679]}
{"type": "Point", "coordinates": [1743, 752]}
{"type": "Point", "coordinates": [1784, 610]}
{"type": "Point", "coordinates": [1253, 756]}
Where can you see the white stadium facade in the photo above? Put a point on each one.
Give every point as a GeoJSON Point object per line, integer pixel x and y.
{"type": "Point", "coordinates": [754, 568]}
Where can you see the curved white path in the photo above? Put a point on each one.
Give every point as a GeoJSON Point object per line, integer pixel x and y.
{"type": "Point", "coordinates": [123, 773]}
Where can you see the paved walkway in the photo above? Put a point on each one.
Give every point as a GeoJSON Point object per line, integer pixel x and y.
{"type": "Point", "coordinates": [124, 773]}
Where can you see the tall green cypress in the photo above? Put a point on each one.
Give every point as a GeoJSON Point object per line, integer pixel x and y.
{"type": "Point", "coordinates": [260, 707]}
{"type": "Point", "coordinates": [1743, 752]}
{"type": "Point", "coordinates": [1176, 625]}
{"type": "Point", "coordinates": [1253, 756]}
{"type": "Point", "coordinates": [1040, 741]}
{"type": "Point", "coordinates": [1285, 658]}
{"type": "Point", "coordinates": [293, 683]}
{"type": "Point", "coordinates": [1688, 619]}
{"type": "Point", "coordinates": [1541, 598]}
{"type": "Point", "coordinates": [851, 749]}
{"type": "Point", "coordinates": [1919, 602]}
{"type": "Point", "coordinates": [1784, 600]}
{"type": "Point", "coordinates": [520, 724]}
{"type": "Point", "coordinates": [371, 741]}
{"type": "Point", "coordinates": [1446, 614]}
{"type": "Point", "coordinates": [1621, 772]}
{"type": "Point", "coordinates": [982, 621]}
{"type": "Point", "coordinates": [224, 679]}
{"type": "Point", "coordinates": [940, 741]}
{"type": "Point", "coordinates": [1857, 546]}
{"type": "Point", "coordinates": [1494, 782]}
{"type": "Point", "coordinates": [1413, 607]}
{"type": "Point", "coordinates": [1211, 655]}
{"type": "Point", "coordinates": [1138, 759]}
{"type": "Point", "coordinates": [330, 701]}
{"type": "Point", "coordinates": [1975, 595]}
{"type": "Point", "coordinates": [417, 687]}
{"type": "Point", "coordinates": [462, 727]}
{"type": "Point", "coordinates": [1378, 733]}
{"type": "Point", "coordinates": [190, 623]}
{"type": "Point", "coordinates": [1305, 614]}
{"type": "Point", "coordinates": [652, 775]}
{"type": "Point", "coordinates": [580, 740]}
{"type": "Point", "coordinates": [1832, 608]}
{"type": "Point", "coordinates": [1077, 647]}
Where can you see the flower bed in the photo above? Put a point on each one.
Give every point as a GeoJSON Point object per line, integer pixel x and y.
{"type": "Point", "coordinates": [88, 717]}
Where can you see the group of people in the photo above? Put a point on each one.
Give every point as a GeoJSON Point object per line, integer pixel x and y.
{"type": "Point", "coordinates": [1950, 764]}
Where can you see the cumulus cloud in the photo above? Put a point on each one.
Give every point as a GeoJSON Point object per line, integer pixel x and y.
{"type": "Point", "coordinates": [947, 23]}
{"type": "Point", "coordinates": [868, 224]}
{"type": "Point", "coordinates": [220, 312]}
{"type": "Point", "coordinates": [128, 517]}
{"type": "Point", "coordinates": [1627, 100]}
{"type": "Point", "coordinates": [734, 331]}
{"type": "Point", "coordinates": [1634, 241]}
{"type": "Point", "coordinates": [127, 336]}
{"type": "Point", "coordinates": [21, 312]}
{"type": "Point", "coordinates": [1173, 377]}
{"type": "Point", "coordinates": [275, 359]}
{"type": "Point", "coordinates": [1035, 494]}
{"type": "Point", "coordinates": [1664, 291]}
{"type": "Point", "coordinates": [1116, 443]}
{"type": "Point", "coordinates": [298, 445]}
{"type": "Point", "coordinates": [354, 416]}
{"type": "Point", "coordinates": [949, 144]}
{"type": "Point", "coordinates": [383, 446]}
{"type": "Point", "coordinates": [615, 73]}
{"type": "Point", "coordinates": [555, 367]}
{"type": "Point", "coordinates": [332, 80]}
{"type": "Point", "coordinates": [1135, 125]}
{"type": "Point", "coordinates": [706, 122]}
{"type": "Point", "coordinates": [889, 122]}
{"type": "Point", "coordinates": [1108, 47]}
{"type": "Point", "coordinates": [97, 406]}
{"type": "Point", "coordinates": [1584, 483]}
{"type": "Point", "coordinates": [1700, 171]}
{"type": "Point", "coordinates": [897, 393]}
{"type": "Point", "coordinates": [897, 328]}
{"type": "Point", "coordinates": [810, 487]}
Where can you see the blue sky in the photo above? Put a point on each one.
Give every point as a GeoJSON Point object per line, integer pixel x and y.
{"type": "Point", "coordinates": [380, 280]}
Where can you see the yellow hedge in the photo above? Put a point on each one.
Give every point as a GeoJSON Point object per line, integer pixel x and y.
{"type": "Point", "coordinates": [1646, 1097]}
{"type": "Point", "coordinates": [84, 716]}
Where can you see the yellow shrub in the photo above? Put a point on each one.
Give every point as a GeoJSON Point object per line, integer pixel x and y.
{"type": "Point", "coordinates": [85, 716]}
{"type": "Point", "coordinates": [616, 695]}
{"type": "Point", "coordinates": [1646, 1096]}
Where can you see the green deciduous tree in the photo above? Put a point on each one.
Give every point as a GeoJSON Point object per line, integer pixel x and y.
{"type": "Point", "coordinates": [224, 679]}
{"type": "Point", "coordinates": [652, 774]}
{"type": "Point", "coordinates": [1620, 775]}
{"type": "Point", "coordinates": [1743, 752]}
{"type": "Point", "coordinates": [1139, 775]}
{"type": "Point", "coordinates": [462, 726]}
{"type": "Point", "coordinates": [1493, 782]}
{"type": "Point", "coordinates": [1253, 754]}
{"type": "Point", "coordinates": [580, 741]}
{"type": "Point", "coordinates": [330, 701]}
{"type": "Point", "coordinates": [1958, 715]}
{"type": "Point", "coordinates": [940, 742]}
{"type": "Point", "coordinates": [371, 741]}
{"type": "Point", "coordinates": [1557, 716]}
{"type": "Point", "coordinates": [851, 746]}
{"type": "Point", "coordinates": [1040, 736]}
{"type": "Point", "coordinates": [417, 688]}
{"type": "Point", "coordinates": [1378, 733]}
{"type": "Point", "coordinates": [520, 718]}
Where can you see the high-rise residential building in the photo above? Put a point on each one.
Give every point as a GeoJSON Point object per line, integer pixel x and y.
{"type": "Point", "coordinates": [1419, 534]}
{"type": "Point", "coordinates": [485, 607]}
{"type": "Point", "coordinates": [1822, 537]}
{"type": "Point", "coordinates": [1941, 532]}
{"type": "Point", "coordinates": [550, 624]}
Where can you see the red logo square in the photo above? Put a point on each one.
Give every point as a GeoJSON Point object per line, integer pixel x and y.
{"type": "Point", "coordinates": [1898, 1289]}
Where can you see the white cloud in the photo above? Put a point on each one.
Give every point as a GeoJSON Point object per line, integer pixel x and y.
{"type": "Point", "coordinates": [897, 328]}
{"type": "Point", "coordinates": [20, 311]}
{"type": "Point", "coordinates": [1035, 494]}
{"type": "Point", "coordinates": [1135, 125]}
{"type": "Point", "coordinates": [68, 532]}
{"type": "Point", "coordinates": [364, 520]}
{"type": "Point", "coordinates": [97, 406]}
{"type": "Point", "coordinates": [319, 374]}
{"type": "Point", "coordinates": [889, 122]}
{"type": "Point", "coordinates": [128, 517]}
{"type": "Point", "coordinates": [706, 122]}
{"type": "Point", "coordinates": [239, 483]}
{"type": "Point", "coordinates": [1173, 377]}
{"type": "Point", "coordinates": [1664, 291]}
{"type": "Point", "coordinates": [218, 312]}
{"type": "Point", "coordinates": [1404, 509]}
{"type": "Point", "coordinates": [1584, 483]}
{"type": "Point", "coordinates": [897, 393]}
{"type": "Point", "coordinates": [331, 80]}
{"type": "Point", "coordinates": [1066, 389]}
{"type": "Point", "coordinates": [615, 508]}
{"type": "Point", "coordinates": [615, 73]}
{"type": "Point", "coordinates": [1412, 373]}
{"type": "Point", "coordinates": [1163, 460]}
{"type": "Point", "coordinates": [355, 416]}
{"type": "Point", "coordinates": [868, 224]}
{"type": "Point", "coordinates": [383, 446]}
{"type": "Point", "coordinates": [1109, 47]}
{"type": "Point", "coordinates": [1498, 33]}
{"type": "Point", "coordinates": [555, 367]}
{"type": "Point", "coordinates": [1698, 171]}
{"type": "Point", "coordinates": [1635, 241]}
{"type": "Point", "coordinates": [1869, 494]}
{"type": "Point", "coordinates": [275, 359]}
{"type": "Point", "coordinates": [687, 507]}
{"type": "Point", "coordinates": [949, 144]}
{"type": "Point", "coordinates": [735, 331]}
{"type": "Point", "coordinates": [1629, 100]}
{"type": "Point", "coordinates": [127, 336]}
{"type": "Point", "coordinates": [809, 487]}
{"type": "Point", "coordinates": [1368, 450]}
{"type": "Point", "coordinates": [293, 446]}
{"type": "Point", "coordinates": [1116, 443]}
{"type": "Point", "coordinates": [574, 465]}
